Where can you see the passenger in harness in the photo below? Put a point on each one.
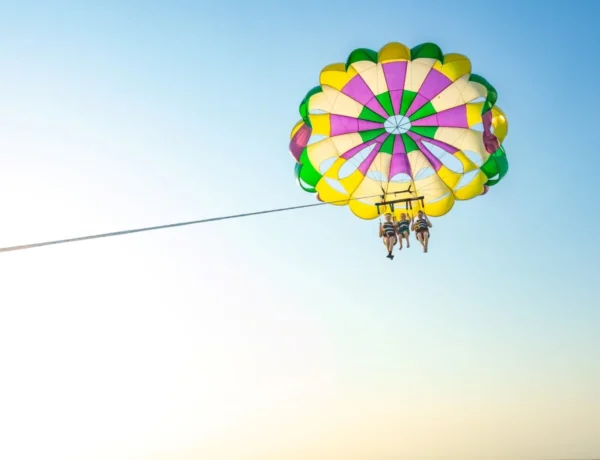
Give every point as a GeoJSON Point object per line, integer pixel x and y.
{"type": "Point", "coordinates": [387, 231]}
{"type": "Point", "coordinates": [421, 227]}
{"type": "Point", "coordinates": [403, 230]}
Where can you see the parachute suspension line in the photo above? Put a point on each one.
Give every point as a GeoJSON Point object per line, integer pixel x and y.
{"type": "Point", "coordinates": [382, 196]}
{"type": "Point", "coordinates": [381, 176]}
{"type": "Point", "coordinates": [179, 224]}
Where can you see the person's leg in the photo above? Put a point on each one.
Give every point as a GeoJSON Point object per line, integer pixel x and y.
{"type": "Point", "coordinates": [406, 235]}
{"type": "Point", "coordinates": [390, 244]}
{"type": "Point", "coordinates": [420, 238]}
{"type": "Point", "coordinates": [425, 240]}
{"type": "Point", "coordinates": [393, 243]}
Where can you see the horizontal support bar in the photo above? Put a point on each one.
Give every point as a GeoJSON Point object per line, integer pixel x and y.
{"type": "Point", "coordinates": [403, 200]}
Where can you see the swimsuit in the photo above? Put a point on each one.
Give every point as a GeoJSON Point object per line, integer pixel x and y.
{"type": "Point", "coordinates": [388, 229]}
{"type": "Point", "coordinates": [421, 226]}
{"type": "Point", "coordinates": [403, 227]}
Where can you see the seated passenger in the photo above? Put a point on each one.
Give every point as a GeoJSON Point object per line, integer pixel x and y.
{"type": "Point", "coordinates": [387, 231]}
{"type": "Point", "coordinates": [421, 226]}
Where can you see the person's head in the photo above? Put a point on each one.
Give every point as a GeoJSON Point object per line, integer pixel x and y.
{"type": "Point", "coordinates": [403, 216]}
{"type": "Point", "coordinates": [420, 214]}
{"type": "Point", "coordinates": [388, 216]}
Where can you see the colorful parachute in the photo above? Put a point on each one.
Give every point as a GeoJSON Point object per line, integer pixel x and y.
{"type": "Point", "coordinates": [398, 118]}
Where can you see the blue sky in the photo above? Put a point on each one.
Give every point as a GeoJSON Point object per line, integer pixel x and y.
{"type": "Point", "coordinates": [128, 114]}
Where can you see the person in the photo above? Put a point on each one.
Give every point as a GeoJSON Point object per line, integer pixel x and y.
{"type": "Point", "coordinates": [421, 228]}
{"type": "Point", "coordinates": [387, 231]}
{"type": "Point", "coordinates": [403, 230]}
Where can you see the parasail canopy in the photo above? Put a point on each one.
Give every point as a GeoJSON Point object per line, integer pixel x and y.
{"type": "Point", "coordinates": [412, 127]}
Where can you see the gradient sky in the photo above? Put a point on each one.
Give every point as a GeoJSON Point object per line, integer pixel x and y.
{"type": "Point", "coordinates": [287, 336]}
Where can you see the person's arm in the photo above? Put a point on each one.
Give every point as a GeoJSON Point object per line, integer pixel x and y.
{"type": "Point", "coordinates": [429, 224]}
{"type": "Point", "coordinates": [412, 223]}
{"type": "Point", "coordinates": [380, 229]}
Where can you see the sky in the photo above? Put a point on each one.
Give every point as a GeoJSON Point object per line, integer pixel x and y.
{"type": "Point", "coordinates": [286, 336]}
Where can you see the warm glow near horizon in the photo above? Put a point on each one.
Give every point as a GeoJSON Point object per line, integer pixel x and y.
{"type": "Point", "coordinates": [101, 379]}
